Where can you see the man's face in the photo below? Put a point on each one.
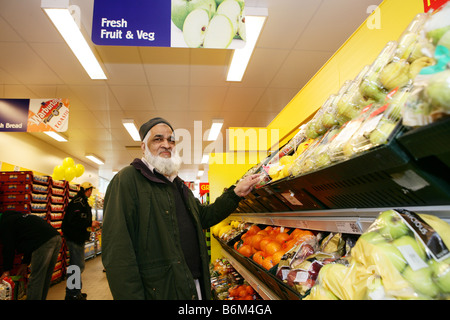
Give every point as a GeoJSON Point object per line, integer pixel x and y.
{"type": "Point", "coordinates": [161, 141]}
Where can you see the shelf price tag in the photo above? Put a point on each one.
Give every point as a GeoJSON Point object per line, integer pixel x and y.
{"type": "Point", "coordinates": [348, 227]}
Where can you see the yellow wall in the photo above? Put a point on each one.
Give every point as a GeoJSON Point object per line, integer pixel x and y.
{"type": "Point", "coordinates": [361, 49]}
{"type": "Point", "coordinates": [224, 174]}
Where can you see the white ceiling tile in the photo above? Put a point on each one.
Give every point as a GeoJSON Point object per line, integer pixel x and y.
{"type": "Point", "coordinates": [170, 97]}
{"type": "Point", "coordinates": [206, 98]}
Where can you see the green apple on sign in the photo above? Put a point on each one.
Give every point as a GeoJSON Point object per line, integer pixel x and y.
{"type": "Point", "coordinates": [232, 10]}
{"type": "Point", "coordinates": [182, 8]}
{"type": "Point", "coordinates": [195, 27]}
{"type": "Point", "coordinates": [219, 33]}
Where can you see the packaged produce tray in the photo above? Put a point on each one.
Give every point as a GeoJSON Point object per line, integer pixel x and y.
{"type": "Point", "coordinates": [429, 143]}
{"type": "Point", "coordinates": [385, 176]}
{"type": "Point", "coordinates": [265, 276]}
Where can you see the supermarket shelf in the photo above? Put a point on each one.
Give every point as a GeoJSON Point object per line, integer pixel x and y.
{"type": "Point", "coordinates": [353, 221]}
{"type": "Point", "coordinates": [257, 285]}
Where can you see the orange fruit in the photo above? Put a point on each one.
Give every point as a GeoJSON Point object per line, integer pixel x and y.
{"type": "Point", "coordinates": [283, 237]}
{"type": "Point", "coordinates": [245, 250]}
{"type": "Point", "coordinates": [267, 263]}
{"type": "Point", "coordinates": [250, 290]}
{"type": "Point", "coordinates": [254, 229]}
{"type": "Point", "coordinates": [256, 241]}
{"type": "Point", "coordinates": [248, 239]}
{"type": "Point", "coordinates": [272, 247]}
{"type": "Point", "coordinates": [276, 257]}
{"type": "Point", "coordinates": [264, 242]}
{"type": "Point", "coordinates": [258, 257]}
{"type": "Point", "coordinates": [288, 245]}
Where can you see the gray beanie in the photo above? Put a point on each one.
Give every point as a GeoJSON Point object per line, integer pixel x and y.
{"type": "Point", "coordinates": [150, 124]}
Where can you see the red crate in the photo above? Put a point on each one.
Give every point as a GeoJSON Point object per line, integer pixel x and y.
{"type": "Point", "coordinates": [11, 188]}
{"type": "Point", "coordinates": [16, 177]}
{"type": "Point", "coordinates": [15, 197]}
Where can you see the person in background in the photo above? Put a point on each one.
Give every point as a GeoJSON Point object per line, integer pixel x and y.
{"type": "Point", "coordinates": [153, 245]}
{"type": "Point", "coordinates": [40, 244]}
{"type": "Point", "coordinates": [77, 219]}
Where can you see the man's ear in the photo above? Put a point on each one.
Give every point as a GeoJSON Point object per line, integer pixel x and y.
{"type": "Point", "coordinates": [143, 147]}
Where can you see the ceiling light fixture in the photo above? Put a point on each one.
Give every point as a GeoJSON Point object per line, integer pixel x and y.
{"type": "Point", "coordinates": [132, 129]}
{"type": "Point", "coordinates": [205, 158]}
{"type": "Point", "coordinates": [56, 135]}
{"type": "Point", "coordinates": [95, 159]}
{"type": "Point", "coordinates": [215, 129]}
{"type": "Point", "coordinates": [59, 14]}
{"type": "Point", "coordinates": [241, 57]}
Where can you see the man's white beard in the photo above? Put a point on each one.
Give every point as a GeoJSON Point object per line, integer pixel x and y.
{"type": "Point", "coordinates": [165, 166]}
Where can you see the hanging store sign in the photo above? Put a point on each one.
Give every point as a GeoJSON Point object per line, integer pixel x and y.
{"type": "Point", "coordinates": [433, 4]}
{"type": "Point", "coordinates": [163, 23]}
{"type": "Point", "coordinates": [204, 188]}
{"type": "Point", "coordinates": [34, 115]}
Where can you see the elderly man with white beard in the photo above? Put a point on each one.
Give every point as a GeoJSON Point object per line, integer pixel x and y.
{"type": "Point", "coordinates": [153, 245]}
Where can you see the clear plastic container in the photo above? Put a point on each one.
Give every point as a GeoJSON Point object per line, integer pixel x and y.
{"type": "Point", "coordinates": [370, 86]}
{"type": "Point", "coordinates": [410, 43]}
{"type": "Point", "coordinates": [338, 146]}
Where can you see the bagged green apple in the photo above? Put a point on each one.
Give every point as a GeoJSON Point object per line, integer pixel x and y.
{"type": "Point", "coordinates": [339, 148]}
{"type": "Point", "coordinates": [412, 45]}
{"type": "Point", "coordinates": [371, 87]}
{"type": "Point", "coordinates": [380, 124]}
{"type": "Point", "coordinates": [430, 97]}
{"type": "Point", "coordinates": [409, 252]}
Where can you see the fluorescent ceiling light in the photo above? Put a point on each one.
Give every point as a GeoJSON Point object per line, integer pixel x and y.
{"type": "Point", "coordinates": [205, 158]}
{"type": "Point", "coordinates": [95, 159]}
{"type": "Point", "coordinates": [215, 129]}
{"type": "Point", "coordinates": [241, 57]}
{"type": "Point", "coordinates": [69, 30]}
{"type": "Point", "coordinates": [57, 136]}
{"type": "Point", "coordinates": [131, 128]}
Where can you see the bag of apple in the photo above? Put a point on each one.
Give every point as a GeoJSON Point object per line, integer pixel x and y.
{"type": "Point", "coordinates": [408, 253]}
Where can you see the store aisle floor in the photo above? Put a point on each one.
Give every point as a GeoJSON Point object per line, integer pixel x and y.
{"type": "Point", "coordinates": [94, 283]}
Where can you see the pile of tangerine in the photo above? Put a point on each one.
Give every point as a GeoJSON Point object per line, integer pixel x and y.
{"type": "Point", "coordinates": [267, 246]}
{"type": "Point", "coordinates": [241, 292]}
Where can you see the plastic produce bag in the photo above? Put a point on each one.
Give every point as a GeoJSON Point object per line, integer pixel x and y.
{"type": "Point", "coordinates": [337, 281]}
{"type": "Point", "coordinates": [300, 266]}
{"type": "Point", "coordinates": [409, 252]}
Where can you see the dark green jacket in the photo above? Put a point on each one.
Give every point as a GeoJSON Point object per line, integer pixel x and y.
{"type": "Point", "coordinates": [141, 249]}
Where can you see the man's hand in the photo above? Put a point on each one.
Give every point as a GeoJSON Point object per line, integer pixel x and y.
{"type": "Point", "coordinates": [245, 186]}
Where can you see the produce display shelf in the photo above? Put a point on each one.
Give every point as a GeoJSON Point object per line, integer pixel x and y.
{"type": "Point", "coordinates": [265, 292]}
{"type": "Point", "coordinates": [385, 176]}
{"type": "Point", "coordinates": [267, 277]}
{"type": "Point", "coordinates": [429, 143]}
{"type": "Point", "coordinates": [352, 220]}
